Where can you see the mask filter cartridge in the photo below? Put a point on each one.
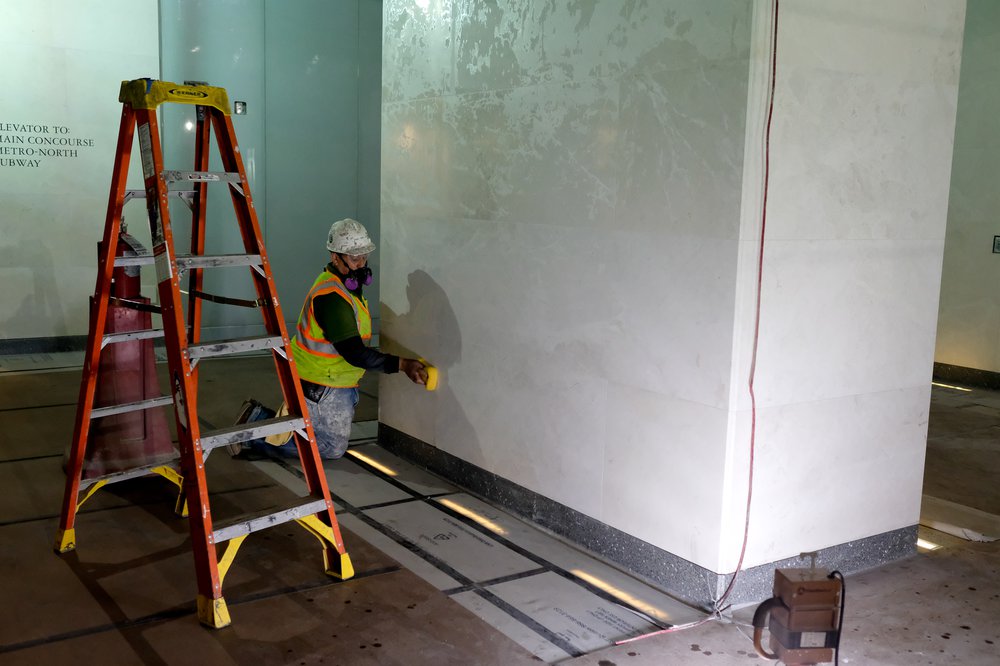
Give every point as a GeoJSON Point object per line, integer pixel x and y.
{"type": "Point", "coordinates": [361, 276]}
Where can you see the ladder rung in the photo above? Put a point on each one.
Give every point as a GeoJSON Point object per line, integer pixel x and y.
{"type": "Point", "coordinates": [202, 176]}
{"type": "Point", "coordinates": [235, 346]}
{"type": "Point", "coordinates": [141, 194]}
{"type": "Point", "coordinates": [161, 401]}
{"type": "Point", "coordinates": [112, 338]}
{"type": "Point", "coordinates": [134, 260]}
{"type": "Point", "coordinates": [260, 520]}
{"type": "Point", "coordinates": [127, 474]}
{"type": "Point", "coordinates": [185, 261]}
{"type": "Point", "coordinates": [246, 431]}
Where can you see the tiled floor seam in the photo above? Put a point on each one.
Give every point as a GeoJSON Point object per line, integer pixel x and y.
{"type": "Point", "coordinates": [496, 581]}
{"type": "Point", "coordinates": [523, 552]}
{"type": "Point", "coordinates": [446, 568]}
{"type": "Point", "coordinates": [382, 505]}
{"type": "Point", "coordinates": [87, 512]}
{"type": "Point", "coordinates": [479, 588]}
{"type": "Point", "coordinates": [529, 622]}
{"type": "Point", "coordinates": [467, 582]}
{"type": "Point", "coordinates": [30, 458]}
{"type": "Point", "coordinates": [417, 498]}
{"type": "Point", "coordinates": [6, 410]}
{"type": "Point", "coordinates": [182, 611]}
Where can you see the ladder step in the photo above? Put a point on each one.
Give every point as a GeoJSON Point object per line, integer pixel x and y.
{"type": "Point", "coordinates": [260, 520]}
{"type": "Point", "coordinates": [134, 473]}
{"type": "Point", "coordinates": [185, 261]}
{"type": "Point", "coordinates": [162, 401]}
{"type": "Point", "coordinates": [134, 260]}
{"type": "Point", "coordinates": [246, 431]}
{"type": "Point", "coordinates": [201, 176]}
{"type": "Point", "coordinates": [187, 195]}
{"type": "Point", "coordinates": [235, 346]}
{"type": "Point", "coordinates": [112, 338]}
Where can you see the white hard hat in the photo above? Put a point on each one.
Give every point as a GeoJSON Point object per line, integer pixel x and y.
{"type": "Point", "coordinates": [349, 237]}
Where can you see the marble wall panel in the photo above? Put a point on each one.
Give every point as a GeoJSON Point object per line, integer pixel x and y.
{"type": "Point", "coordinates": [415, 155]}
{"type": "Point", "coordinates": [682, 137]}
{"type": "Point", "coordinates": [853, 171]}
{"type": "Point", "coordinates": [844, 318]}
{"type": "Point", "coordinates": [562, 230]}
{"type": "Point", "coordinates": [528, 324]}
{"type": "Point", "coordinates": [864, 117]}
{"type": "Point", "coordinates": [448, 282]}
{"type": "Point", "coordinates": [669, 159]}
{"type": "Point", "coordinates": [515, 154]}
{"type": "Point", "coordinates": [518, 412]}
{"type": "Point", "coordinates": [544, 426]}
{"type": "Point", "coordinates": [560, 215]}
{"type": "Point", "coordinates": [557, 289]}
{"type": "Point", "coordinates": [546, 154]}
{"type": "Point", "coordinates": [442, 47]}
{"type": "Point", "coordinates": [827, 472]}
{"type": "Point", "coordinates": [673, 333]}
{"type": "Point", "coordinates": [417, 49]}
{"type": "Point", "coordinates": [663, 470]}
{"type": "Point", "coordinates": [897, 39]}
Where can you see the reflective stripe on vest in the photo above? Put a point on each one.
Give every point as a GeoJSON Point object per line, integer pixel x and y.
{"type": "Point", "coordinates": [316, 358]}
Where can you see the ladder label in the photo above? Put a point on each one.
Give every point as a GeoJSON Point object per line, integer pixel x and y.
{"type": "Point", "coordinates": [164, 270]}
{"type": "Point", "coordinates": [179, 406]}
{"type": "Point", "coordinates": [146, 151]}
{"type": "Point", "coordinates": [155, 223]}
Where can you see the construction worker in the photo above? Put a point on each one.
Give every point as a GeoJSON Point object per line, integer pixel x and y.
{"type": "Point", "coordinates": [330, 349]}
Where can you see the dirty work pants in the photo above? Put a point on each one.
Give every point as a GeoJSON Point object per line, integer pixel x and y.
{"type": "Point", "coordinates": [331, 414]}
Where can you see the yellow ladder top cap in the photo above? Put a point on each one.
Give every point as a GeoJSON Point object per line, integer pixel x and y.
{"type": "Point", "coordinates": [150, 93]}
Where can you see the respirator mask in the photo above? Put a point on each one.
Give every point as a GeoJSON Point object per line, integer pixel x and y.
{"type": "Point", "coordinates": [358, 277]}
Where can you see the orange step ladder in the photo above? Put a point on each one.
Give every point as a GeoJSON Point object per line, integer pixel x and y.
{"type": "Point", "coordinates": [140, 99]}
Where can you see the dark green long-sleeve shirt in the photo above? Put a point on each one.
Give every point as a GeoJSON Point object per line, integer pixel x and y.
{"type": "Point", "coordinates": [336, 318]}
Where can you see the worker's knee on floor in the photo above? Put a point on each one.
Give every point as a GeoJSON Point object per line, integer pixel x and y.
{"type": "Point", "coordinates": [332, 452]}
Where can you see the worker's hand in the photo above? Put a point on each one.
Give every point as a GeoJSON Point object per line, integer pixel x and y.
{"type": "Point", "coordinates": [414, 369]}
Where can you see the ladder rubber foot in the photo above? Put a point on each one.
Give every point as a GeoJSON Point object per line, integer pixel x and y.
{"type": "Point", "coordinates": [65, 541]}
{"type": "Point", "coordinates": [213, 613]}
{"type": "Point", "coordinates": [345, 569]}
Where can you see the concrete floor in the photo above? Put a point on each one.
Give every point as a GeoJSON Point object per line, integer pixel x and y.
{"type": "Point", "coordinates": [125, 595]}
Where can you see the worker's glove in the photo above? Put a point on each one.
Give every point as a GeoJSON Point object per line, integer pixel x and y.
{"type": "Point", "coordinates": [414, 369]}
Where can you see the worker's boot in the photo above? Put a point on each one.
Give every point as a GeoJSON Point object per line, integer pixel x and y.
{"type": "Point", "coordinates": [251, 411]}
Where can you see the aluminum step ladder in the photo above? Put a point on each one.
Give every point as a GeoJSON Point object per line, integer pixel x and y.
{"type": "Point", "coordinates": [140, 99]}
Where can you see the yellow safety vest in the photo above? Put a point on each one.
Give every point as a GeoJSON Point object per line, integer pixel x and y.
{"type": "Point", "coordinates": [317, 359]}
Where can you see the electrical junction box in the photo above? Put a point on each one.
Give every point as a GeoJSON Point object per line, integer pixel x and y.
{"type": "Point", "coordinates": [804, 622]}
{"type": "Point", "coordinates": [806, 588]}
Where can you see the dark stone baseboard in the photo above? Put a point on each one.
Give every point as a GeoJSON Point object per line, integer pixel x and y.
{"type": "Point", "coordinates": [675, 575]}
{"type": "Point", "coordinates": [51, 345]}
{"type": "Point", "coordinates": [956, 374]}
